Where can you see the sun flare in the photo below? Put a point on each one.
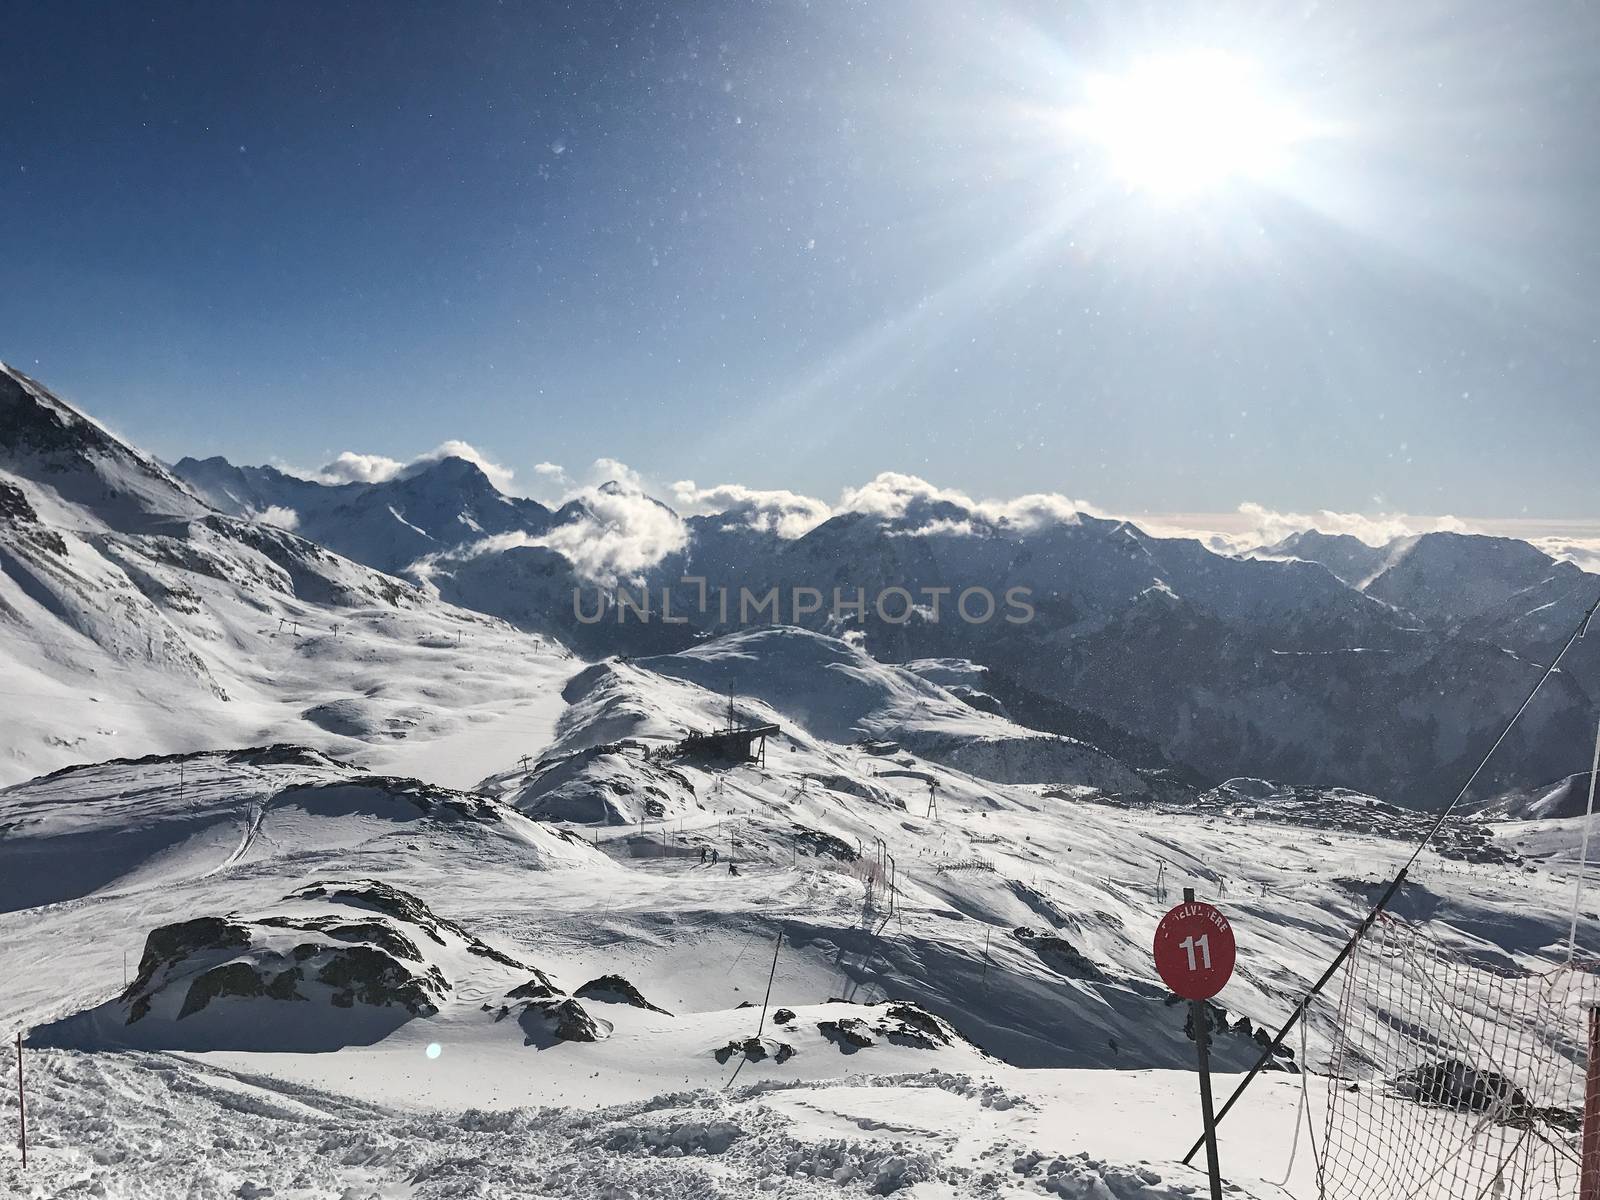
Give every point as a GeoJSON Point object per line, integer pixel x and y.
{"type": "Point", "coordinates": [1181, 123]}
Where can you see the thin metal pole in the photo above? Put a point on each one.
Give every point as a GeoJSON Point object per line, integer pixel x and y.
{"type": "Point", "coordinates": [776, 946]}
{"type": "Point", "coordinates": [1583, 853]}
{"type": "Point", "coordinates": [1202, 1041]}
{"type": "Point", "coordinates": [22, 1106]}
{"type": "Point", "coordinates": [1200, 1026]}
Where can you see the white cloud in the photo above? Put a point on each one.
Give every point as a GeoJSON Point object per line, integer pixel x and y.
{"type": "Point", "coordinates": [1585, 552]}
{"type": "Point", "coordinates": [619, 534]}
{"type": "Point", "coordinates": [1036, 510]}
{"type": "Point", "coordinates": [1266, 527]}
{"type": "Point", "coordinates": [787, 514]}
{"type": "Point", "coordinates": [944, 527]}
{"type": "Point", "coordinates": [1254, 526]}
{"type": "Point", "coordinates": [277, 514]}
{"type": "Point", "coordinates": [352, 467]}
{"type": "Point", "coordinates": [893, 495]}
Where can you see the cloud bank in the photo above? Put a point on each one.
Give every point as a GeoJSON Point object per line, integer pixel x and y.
{"type": "Point", "coordinates": [613, 534]}
{"type": "Point", "coordinates": [894, 495]}
{"type": "Point", "coordinates": [351, 467]}
{"type": "Point", "coordinates": [787, 514]}
{"type": "Point", "coordinates": [1267, 527]}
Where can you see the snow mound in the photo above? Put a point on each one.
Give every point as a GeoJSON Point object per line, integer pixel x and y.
{"type": "Point", "coordinates": [610, 785]}
{"type": "Point", "coordinates": [133, 824]}
{"type": "Point", "coordinates": [365, 719]}
{"type": "Point", "coordinates": [837, 692]}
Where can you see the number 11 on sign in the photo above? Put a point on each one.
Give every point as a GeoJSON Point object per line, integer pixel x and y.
{"type": "Point", "coordinates": [1203, 942]}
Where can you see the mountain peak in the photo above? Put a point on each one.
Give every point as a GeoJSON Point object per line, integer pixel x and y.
{"type": "Point", "coordinates": [45, 439]}
{"type": "Point", "coordinates": [451, 470]}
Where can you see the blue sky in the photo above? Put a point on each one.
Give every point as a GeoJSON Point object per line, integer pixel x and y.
{"type": "Point", "coordinates": [793, 245]}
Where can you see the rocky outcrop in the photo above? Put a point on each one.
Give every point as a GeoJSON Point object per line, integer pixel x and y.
{"type": "Point", "coordinates": [614, 989]}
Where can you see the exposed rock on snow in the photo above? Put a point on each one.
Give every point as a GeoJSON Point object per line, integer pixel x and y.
{"type": "Point", "coordinates": [1059, 954]}
{"type": "Point", "coordinates": [614, 989]}
{"type": "Point", "coordinates": [539, 987]}
{"type": "Point", "coordinates": [848, 1033]}
{"type": "Point", "coordinates": [360, 945]}
{"type": "Point", "coordinates": [406, 909]}
{"type": "Point", "coordinates": [819, 844]}
{"type": "Point", "coordinates": [756, 1049]}
{"type": "Point", "coordinates": [563, 1019]}
{"type": "Point", "coordinates": [900, 1022]}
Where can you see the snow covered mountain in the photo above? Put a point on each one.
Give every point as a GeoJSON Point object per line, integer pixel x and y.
{"type": "Point", "coordinates": [135, 618]}
{"type": "Point", "coordinates": [1305, 660]}
{"type": "Point", "coordinates": [432, 507]}
{"type": "Point", "coordinates": [1351, 560]}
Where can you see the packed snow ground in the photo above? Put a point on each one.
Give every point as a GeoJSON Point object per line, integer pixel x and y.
{"type": "Point", "coordinates": [1021, 915]}
{"type": "Point", "coordinates": [156, 1126]}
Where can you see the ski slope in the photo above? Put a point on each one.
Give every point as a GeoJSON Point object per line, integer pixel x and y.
{"type": "Point", "coordinates": [1019, 921]}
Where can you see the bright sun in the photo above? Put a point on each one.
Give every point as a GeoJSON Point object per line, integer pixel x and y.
{"type": "Point", "coordinates": [1177, 124]}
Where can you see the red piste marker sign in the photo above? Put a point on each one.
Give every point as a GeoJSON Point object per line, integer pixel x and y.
{"type": "Point", "coordinates": [1194, 950]}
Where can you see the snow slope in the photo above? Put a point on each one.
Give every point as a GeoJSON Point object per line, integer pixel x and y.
{"type": "Point", "coordinates": [1018, 916]}
{"type": "Point", "coordinates": [134, 619]}
{"type": "Point", "coordinates": [840, 693]}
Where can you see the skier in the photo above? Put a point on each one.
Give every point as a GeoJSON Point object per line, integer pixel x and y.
{"type": "Point", "coordinates": [732, 870]}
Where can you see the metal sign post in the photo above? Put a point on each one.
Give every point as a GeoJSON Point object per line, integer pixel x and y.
{"type": "Point", "coordinates": [1201, 1024]}
{"type": "Point", "coordinates": [1194, 952]}
{"type": "Point", "coordinates": [22, 1108]}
